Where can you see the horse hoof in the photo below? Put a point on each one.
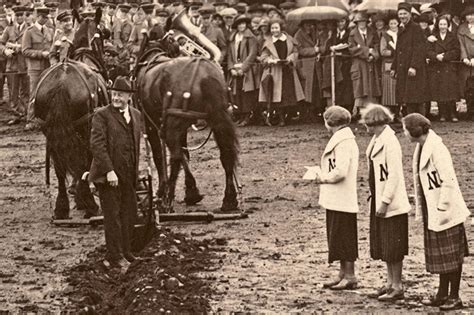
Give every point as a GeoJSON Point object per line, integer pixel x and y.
{"type": "Point", "coordinates": [230, 207]}
{"type": "Point", "coordinates": [193, 199]}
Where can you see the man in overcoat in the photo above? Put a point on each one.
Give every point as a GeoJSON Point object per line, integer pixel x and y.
{"type": "Point", "coordinates": [409, 65]}
{"type": "Point", "coordinates": [35, 47]}
{"type": "Point", "coordinates": [10, 47]}
{"type": "Point", "coordinates": [466, 73]}
{"type": "Point", "coordinates": [115, 143]}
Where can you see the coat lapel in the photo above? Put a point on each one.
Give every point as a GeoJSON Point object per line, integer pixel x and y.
{"type": "Point", "coordinates": [271, 47]}
{"type": "Point", "coordinates": [118, 116]}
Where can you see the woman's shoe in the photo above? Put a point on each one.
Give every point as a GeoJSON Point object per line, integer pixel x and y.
{"type": "Point", "coordinates": [381, 291]}
{"type": "Point", "coordinates": [345, 285]}
{"type": "Point", "coordinates": [451, 305]}
{"type": "Point", "coordinates": [442, 119]}
{"type": "Point", "coordinates": [455, 119]}
{"type": "Point", "coordinates": [392, 295]}
{"type": "Point", "coordinates": [435, 301]}
{"type": "Point", "coordinates": [332, 283]}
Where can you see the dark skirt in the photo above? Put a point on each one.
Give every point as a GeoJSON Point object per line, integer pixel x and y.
{"type": "Point", "coordinates": [342, 236]}
{"type": "Point", "coordinates": [388, 236]}
{"type": "Point", "coordinates": [245, 101]}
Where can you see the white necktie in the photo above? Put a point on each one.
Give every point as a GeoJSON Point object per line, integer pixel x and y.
{"type": "Point", "coordinates": [126, 115]}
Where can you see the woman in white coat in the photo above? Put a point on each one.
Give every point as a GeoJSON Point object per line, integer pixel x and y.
{"type": "Point", "coordinates": [440, 204]}
{"type": "Point", "coordinates": [338, 195]}
{"type": "Point", "coordinates": [389, 200]}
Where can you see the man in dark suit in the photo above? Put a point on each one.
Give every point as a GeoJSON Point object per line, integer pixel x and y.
{"type": "Point", "coordinates": [409, 65]}
{"type": "Point", "coordinates": [115, 143]}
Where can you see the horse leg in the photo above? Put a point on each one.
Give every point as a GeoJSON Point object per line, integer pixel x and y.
{"type": "Point", "coordinates": [61, 210]}
{"type": "Point", "coordinates": [85, 200]}
{"type": "Point", "coordinates": [156, 149]}
{"type": "Point", "coordinates": [192, 195]}
{"type": "Point", "coordinates": [229, 202]}
{"type": "Point", "coordinates": [173, 137]}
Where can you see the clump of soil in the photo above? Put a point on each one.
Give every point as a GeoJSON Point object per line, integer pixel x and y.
{"type": "Point", "coordinates": [165, 281]}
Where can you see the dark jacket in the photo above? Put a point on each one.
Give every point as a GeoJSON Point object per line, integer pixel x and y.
{"type": "Point", "coordinates": [34, 43]}
{"type": "Point", "coordinates": [443, 77]}
{"type": "Point", "coordinates": [109, 145]}
{"type": "Point", "coordinates": [466, 40]}
{"type": "Point", "coordinates": [411, 53]}
{"type": "Point", "coordinates": [13, 35]}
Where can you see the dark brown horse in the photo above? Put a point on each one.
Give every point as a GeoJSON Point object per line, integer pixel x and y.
{"type": "Point", "coordinates": [173, 93]}
{"type": "Point", "coordinates": [65, 100]}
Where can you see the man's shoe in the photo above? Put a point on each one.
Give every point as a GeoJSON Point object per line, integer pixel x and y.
{"type": "Point", "coordinates": [332, 283]}
{"type": "Point", "coordinates": [435, 301]}
{"type": "Point", "coordinates": [455, 119]}
{"type": "Point", "coordinates": [345, 285]}
{"type": "Point", "coordinates": [392, 295]}
{"type": "Point", "coordinates": [451, 305]}
{"type": "Point", "coordinates": [131, 258]}
{"type": "Point", "coordinates": [381, 291]}
{"type": "Point", "coordinates": [442, 119]}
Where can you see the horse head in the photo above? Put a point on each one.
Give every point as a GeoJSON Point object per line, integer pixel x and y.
{"type": "Point", "coordinates": [89, 39]}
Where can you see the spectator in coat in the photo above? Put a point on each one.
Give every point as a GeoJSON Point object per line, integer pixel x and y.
{"type": "Point", "coordinates": [279, 56]}
{"type": "Point", "coordinates": [443, 49]}
{"type": "Point", "coordinates": [242, 55]}
{"type": "Point", "coordinates": [409, 65]}
{"type": "Point", "coordinates": [63, 37]}
{"type": "Point", "coordinates": [441, 206]}
{"type": "Point", "coordinates": [364, 46]}
{"type": "Point", "coordinates": [389, 205]}
{"type": "Point", "coordinates": [213, 33]}
{"type": "Point", "coordinates": [466, 40]}
{"type": "Point", "coordinates": [11, 48]}
{"type": "Point", "coordinates": [115, 147]}
{"type": "Point", "coordinates": [388, 45]}
{"type": "Point", "coordinates": [35, 46]}
{"type": "Point", "coordinates": [122, 27]}
{"type": "Point", "coordinates": [339, 164]}
{"type": "Point", "coordinates": [339, 42]}
{"type": "Point", "coordinates": [310, 49]}
{"type": "Point", "coordinates": [3, 60]}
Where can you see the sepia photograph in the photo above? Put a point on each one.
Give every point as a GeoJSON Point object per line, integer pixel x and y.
{"type": "Point", "coordinates": [236, 156]}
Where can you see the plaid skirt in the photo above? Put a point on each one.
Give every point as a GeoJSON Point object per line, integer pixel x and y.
{"type": "Point", "coordinates": [342, 236]}
{"type": "Point", "coordinates": [445, 250]}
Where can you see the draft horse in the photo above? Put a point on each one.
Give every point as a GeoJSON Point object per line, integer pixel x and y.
{"type": "Point", "coordinates": [65, 100]}
{"type": "Point", "coordinates": [173, 94]}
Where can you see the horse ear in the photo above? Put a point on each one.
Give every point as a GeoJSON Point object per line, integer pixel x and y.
{"type": "Point", "coordinates": [76, 16]}
{"type": "Point", "coordinates": [98, 16]}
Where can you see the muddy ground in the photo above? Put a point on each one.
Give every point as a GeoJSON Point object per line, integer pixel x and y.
{"type": "Point", "coordinates": [275, 261]}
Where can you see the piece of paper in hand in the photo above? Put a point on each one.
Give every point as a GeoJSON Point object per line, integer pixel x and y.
{"type": "Point", "coordinates": [312, 172]}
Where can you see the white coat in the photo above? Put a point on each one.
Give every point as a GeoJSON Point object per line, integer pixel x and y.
{"type": "Point", "coordinates": [386, 154]}
{"type": "Point", "coordinates": [339, 164]}
{"type": "Point", "coordinates": [446, 206]}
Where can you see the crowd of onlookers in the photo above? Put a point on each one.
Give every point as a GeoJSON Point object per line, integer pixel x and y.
{"type": "Point", "coordinates": [406, 59]}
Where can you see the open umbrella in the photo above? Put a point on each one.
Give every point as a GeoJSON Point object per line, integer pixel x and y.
{"type": "Point", "coordinates": [341, 4]}
{"type": "Point", "coordinates": [318, 13]}
{"type": "Point", "coordinates": [374, 6]}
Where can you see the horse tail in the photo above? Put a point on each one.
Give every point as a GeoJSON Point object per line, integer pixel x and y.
{"type": "Point", "coordinates": [66, 147]}
{"type": "Point", "coordinates": [225, 133]}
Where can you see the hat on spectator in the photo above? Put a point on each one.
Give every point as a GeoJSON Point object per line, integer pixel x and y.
{"type": "Point", "coordinates": [360, 16]}
{"type": "Point", "coordinates": [162, 12]}
{"type": "Point", "coordinates": [194, 4]}
{"type": "Point", "coordinates": [19, 10]}
{"type": "Point", "coordinates": [99, 4]}
{"type": "Point", "coordinates": [256, 8]}
{"type": "Point", "coordinates": [207, 10]}
{"type": "Point", "coordinates": [379, 17]}
{"type": "Point", "coordinates": [122, 84]}
{"type": "Point", "coordinates": [336, 116]}
{"type": "Point", "coordinates": [51, 4]}
{"type": "Point", "coordinates": [124, 7]}
{"type": "Point", "coordinates": [424, 18]}
{"type": "Point", "coordinates": [426, 8]}
{"type": "Point", "coordinates": [63, 15]}
{"type": "Point", "coordinates": [148, 8]}
{"type": "Point", "coordinates": [229, 12]}
{"type": "Point", "coordinates": [221, 3]}
{"type": "Point", "coordinates": [415, 9]}
{"type": "Point", "coordinates": [404, 6]}
{"type": "Point", "coordinates": [241, 7]}
{"type": "Point", "coordinates": [264, 22]}
{"type": "Point", "coordinates": [42, 11]}
{"type": "Point", "coordinates": [241, 19]}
